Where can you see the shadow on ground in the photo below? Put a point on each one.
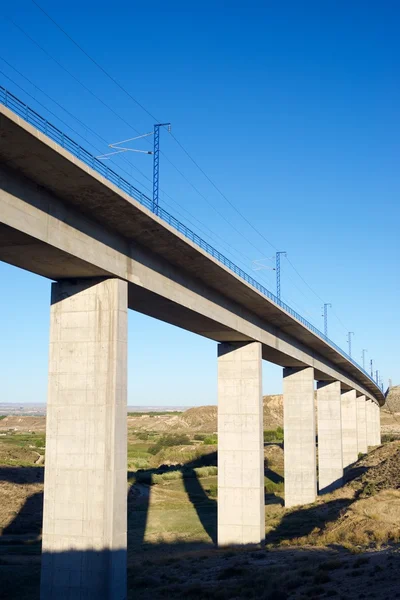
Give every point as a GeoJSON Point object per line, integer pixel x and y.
{"type": "Point", "coordinates": [21, 580]}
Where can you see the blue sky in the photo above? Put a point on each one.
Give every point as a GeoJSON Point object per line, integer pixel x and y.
{"type": "Point", "coordinates": [290, 108]}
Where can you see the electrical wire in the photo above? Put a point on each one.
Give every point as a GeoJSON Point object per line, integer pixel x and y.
{"type": "Point", "coordinates": [65, 110]}
{"type": "Point", "coordinates": [140, 105]}
{"type": "Point", "coordinates": [215, 186]}
{"type": "Point", "coordinates": [213, 234]}
{"type": "Point", "coordinates": [95, 62]}
{"type": "Point", "coordinates": [221, 215]}
{"type": "Point", "coordinates": [222, 194]}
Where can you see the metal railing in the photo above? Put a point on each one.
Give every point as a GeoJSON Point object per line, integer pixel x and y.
{"type": "Point", "coordinates": [32, 117]}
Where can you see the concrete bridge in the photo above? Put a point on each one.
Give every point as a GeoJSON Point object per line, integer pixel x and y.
{"type": "Point", "coordinates": [67, 217]}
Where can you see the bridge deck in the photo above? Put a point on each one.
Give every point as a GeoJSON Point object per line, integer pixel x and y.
{"type": "Point", "coordinates": [29, 152]}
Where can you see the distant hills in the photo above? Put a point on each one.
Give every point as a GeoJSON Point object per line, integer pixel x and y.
{"type": "Point", "coordinates": [202, 419]}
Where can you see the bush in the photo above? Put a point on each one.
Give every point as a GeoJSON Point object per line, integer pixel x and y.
{"type": "Point", "coordinates": [206, 471]}
{"type": "Point", "coordinates": [211, 440]}
{"type": "Point", "coordinates": [139, 463]}
{"type": "Point", "coordinates": [169, 476]}
{"type": "Point", "coordinates": [273, 435]}
{"type": "Point", "coordinates": [212, 490]}
{"type": "Point", "coordinates": [199, 436]}
{"type": "Point", "coordinates": [273, 488]}
{"type": "Point", "coordinates": [166, 441]}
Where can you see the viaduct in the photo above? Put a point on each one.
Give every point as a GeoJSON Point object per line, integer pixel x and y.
{"type": "Point", "coordinates": [65, 216]}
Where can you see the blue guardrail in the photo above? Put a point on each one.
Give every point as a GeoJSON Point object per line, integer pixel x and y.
{"type": "Point", "coordinates": [32, 117]}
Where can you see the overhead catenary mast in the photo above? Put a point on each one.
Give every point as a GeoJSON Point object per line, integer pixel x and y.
{"type": "Point", "coordinates": [278, 273]}
{"type": "Point", "coordinates": [118, 149]}
{"type": "Point", "coordinates": [349, 341]}
{"type": "Point", "coordinates": [325, 315]}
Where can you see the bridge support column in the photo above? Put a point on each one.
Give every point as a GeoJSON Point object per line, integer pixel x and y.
{"type": "Point", "coordinates": [370, 422]}
{"type": "Point", "coordinates": [85, 489]}
{"type": "Point", "coordinates": [299, 432]}
{"type": "Point", "coordinates": [241, 514]}
{"type": "Point", "coordinates": [362, 425]}
{"type": "Point", "coordinates": [349, 427]}
{"type": "Point", "coordinates": [378, 425]}
{"type": "Point", "coordinates": [330, 459]}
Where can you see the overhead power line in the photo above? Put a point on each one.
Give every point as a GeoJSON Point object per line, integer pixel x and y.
{"type": "Point", "coordinates": [219, 213]}
{"type": "Point", "coordinates": [213, 234]}
{"type": "Point", "coordinates": [123, 89]}
{"type": "Point", "coordinates": [214, 185]}
{"type": "Point", "coordinates": [95, 62]}
{"type": "Point", "coordinates": [222, 194]}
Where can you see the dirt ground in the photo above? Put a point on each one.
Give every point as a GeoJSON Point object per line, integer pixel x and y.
{"type": "Point", "coordinates": [346, 544]}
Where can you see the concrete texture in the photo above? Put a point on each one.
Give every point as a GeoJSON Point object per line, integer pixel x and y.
{"type": "Point", "coordinates": [85, 490]}
{"type": "Point", "coordinates": [299, 428]}
{"type": "Point", "coordinates": [378, 424]}
{"type": "Point", "coordinates": [362, 445]}
{"type": "Point", "coordinates": [241, 515]}
{"type": "Point", "coordinates": [369, 411]}
{"type": "Point", "coordinates": [349, 428]}
{"type": "Point", "coordinates": [330, 452]}
{"type": "Point", "coordinates": [59, 218]}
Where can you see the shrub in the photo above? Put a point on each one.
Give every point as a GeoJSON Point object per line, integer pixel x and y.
{"type": "Point", "coordinates": [166, 441]}
{"type": "Point", "coordinates": [211, 440]}
{"type": "Point", "coordinates": [331, 565]}
{"type": "Point", "coordinates": [212, 490]}
{"type": "Point", "coordinates": [139, 463]}
{"type": "Point", "coordinates": [206, 471]}
{"type": "Point", "coordinates": [273, 435]}
{"type": "Point", "coordinates": [169, 476]}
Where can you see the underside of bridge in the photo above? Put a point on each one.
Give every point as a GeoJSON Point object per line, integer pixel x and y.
{"type": "Point", "coordinates": [107, 253]}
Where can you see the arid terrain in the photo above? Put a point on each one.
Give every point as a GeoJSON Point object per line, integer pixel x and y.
{"type": "Point", "coordinates": [346, 544]}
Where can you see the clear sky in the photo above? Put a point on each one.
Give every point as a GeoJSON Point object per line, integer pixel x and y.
{"type": "Point", "coordinates": [291, 108]}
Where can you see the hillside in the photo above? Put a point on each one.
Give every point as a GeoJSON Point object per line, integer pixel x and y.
{"type": "Point", "coordinates": [393, 398]}
{"type": "Point", "coordinates": [23, 423]}
{"type": "Point", "coordinates": [346, 544]}
{"type": "Point", "coordinates": [202, 418]}
{"type": "Point", "coordinates": [390, 412]}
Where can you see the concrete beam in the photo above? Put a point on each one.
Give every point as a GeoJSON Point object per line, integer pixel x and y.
{"type": "Point", "coordinates": [349, 428]}
{"type": "Point", "coordinates": [241, 514]}
{"type": "Point", "coordinates": [362, 445]}
{"type": "Point", "coordinates": [85, 489]}
{"type": "Point", "coordinates": [299, 432]}
{"type": "Point", "coordinates": [330, 452]}
{"type": "Point", "coordinates": [171, 278]}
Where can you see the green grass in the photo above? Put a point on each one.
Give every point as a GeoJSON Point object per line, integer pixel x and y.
{"type": "Point", "coordinates": [172, 439]}
{"type": "Point", "coordinates": [211, 440]}
{"type": "Point", "coordinates": [138, 456]}
{"type": "Point", "coordinates": [273, 435]}
{"type": "Point", "coordinates": [24, 440]}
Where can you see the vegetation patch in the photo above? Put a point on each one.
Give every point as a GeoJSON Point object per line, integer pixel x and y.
{"type": "Point", "coordinates": [172, 439]}
{"type": "Point", "coordinates": [273, 435]}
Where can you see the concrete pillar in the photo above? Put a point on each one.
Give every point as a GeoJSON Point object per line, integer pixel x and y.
{"type": "Point", "coordinates": [374, 424]}
{"type": "Point", "coordinates": [378, 425]}
{"type": "Point", "coordinates": [241, 514]}
{"type": "Point", "coordinates": [349, 428]}
{"type": "Point", "coordinates": [362, 445]}
{"type": "Point", "coordinates": [330, 460]}
{"type": "Point", "coordinates": [85, 487]}
{"type": "Point", "coordinates": [299, 432]}
{"type": "Point", "coordinates": [370, 423]}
